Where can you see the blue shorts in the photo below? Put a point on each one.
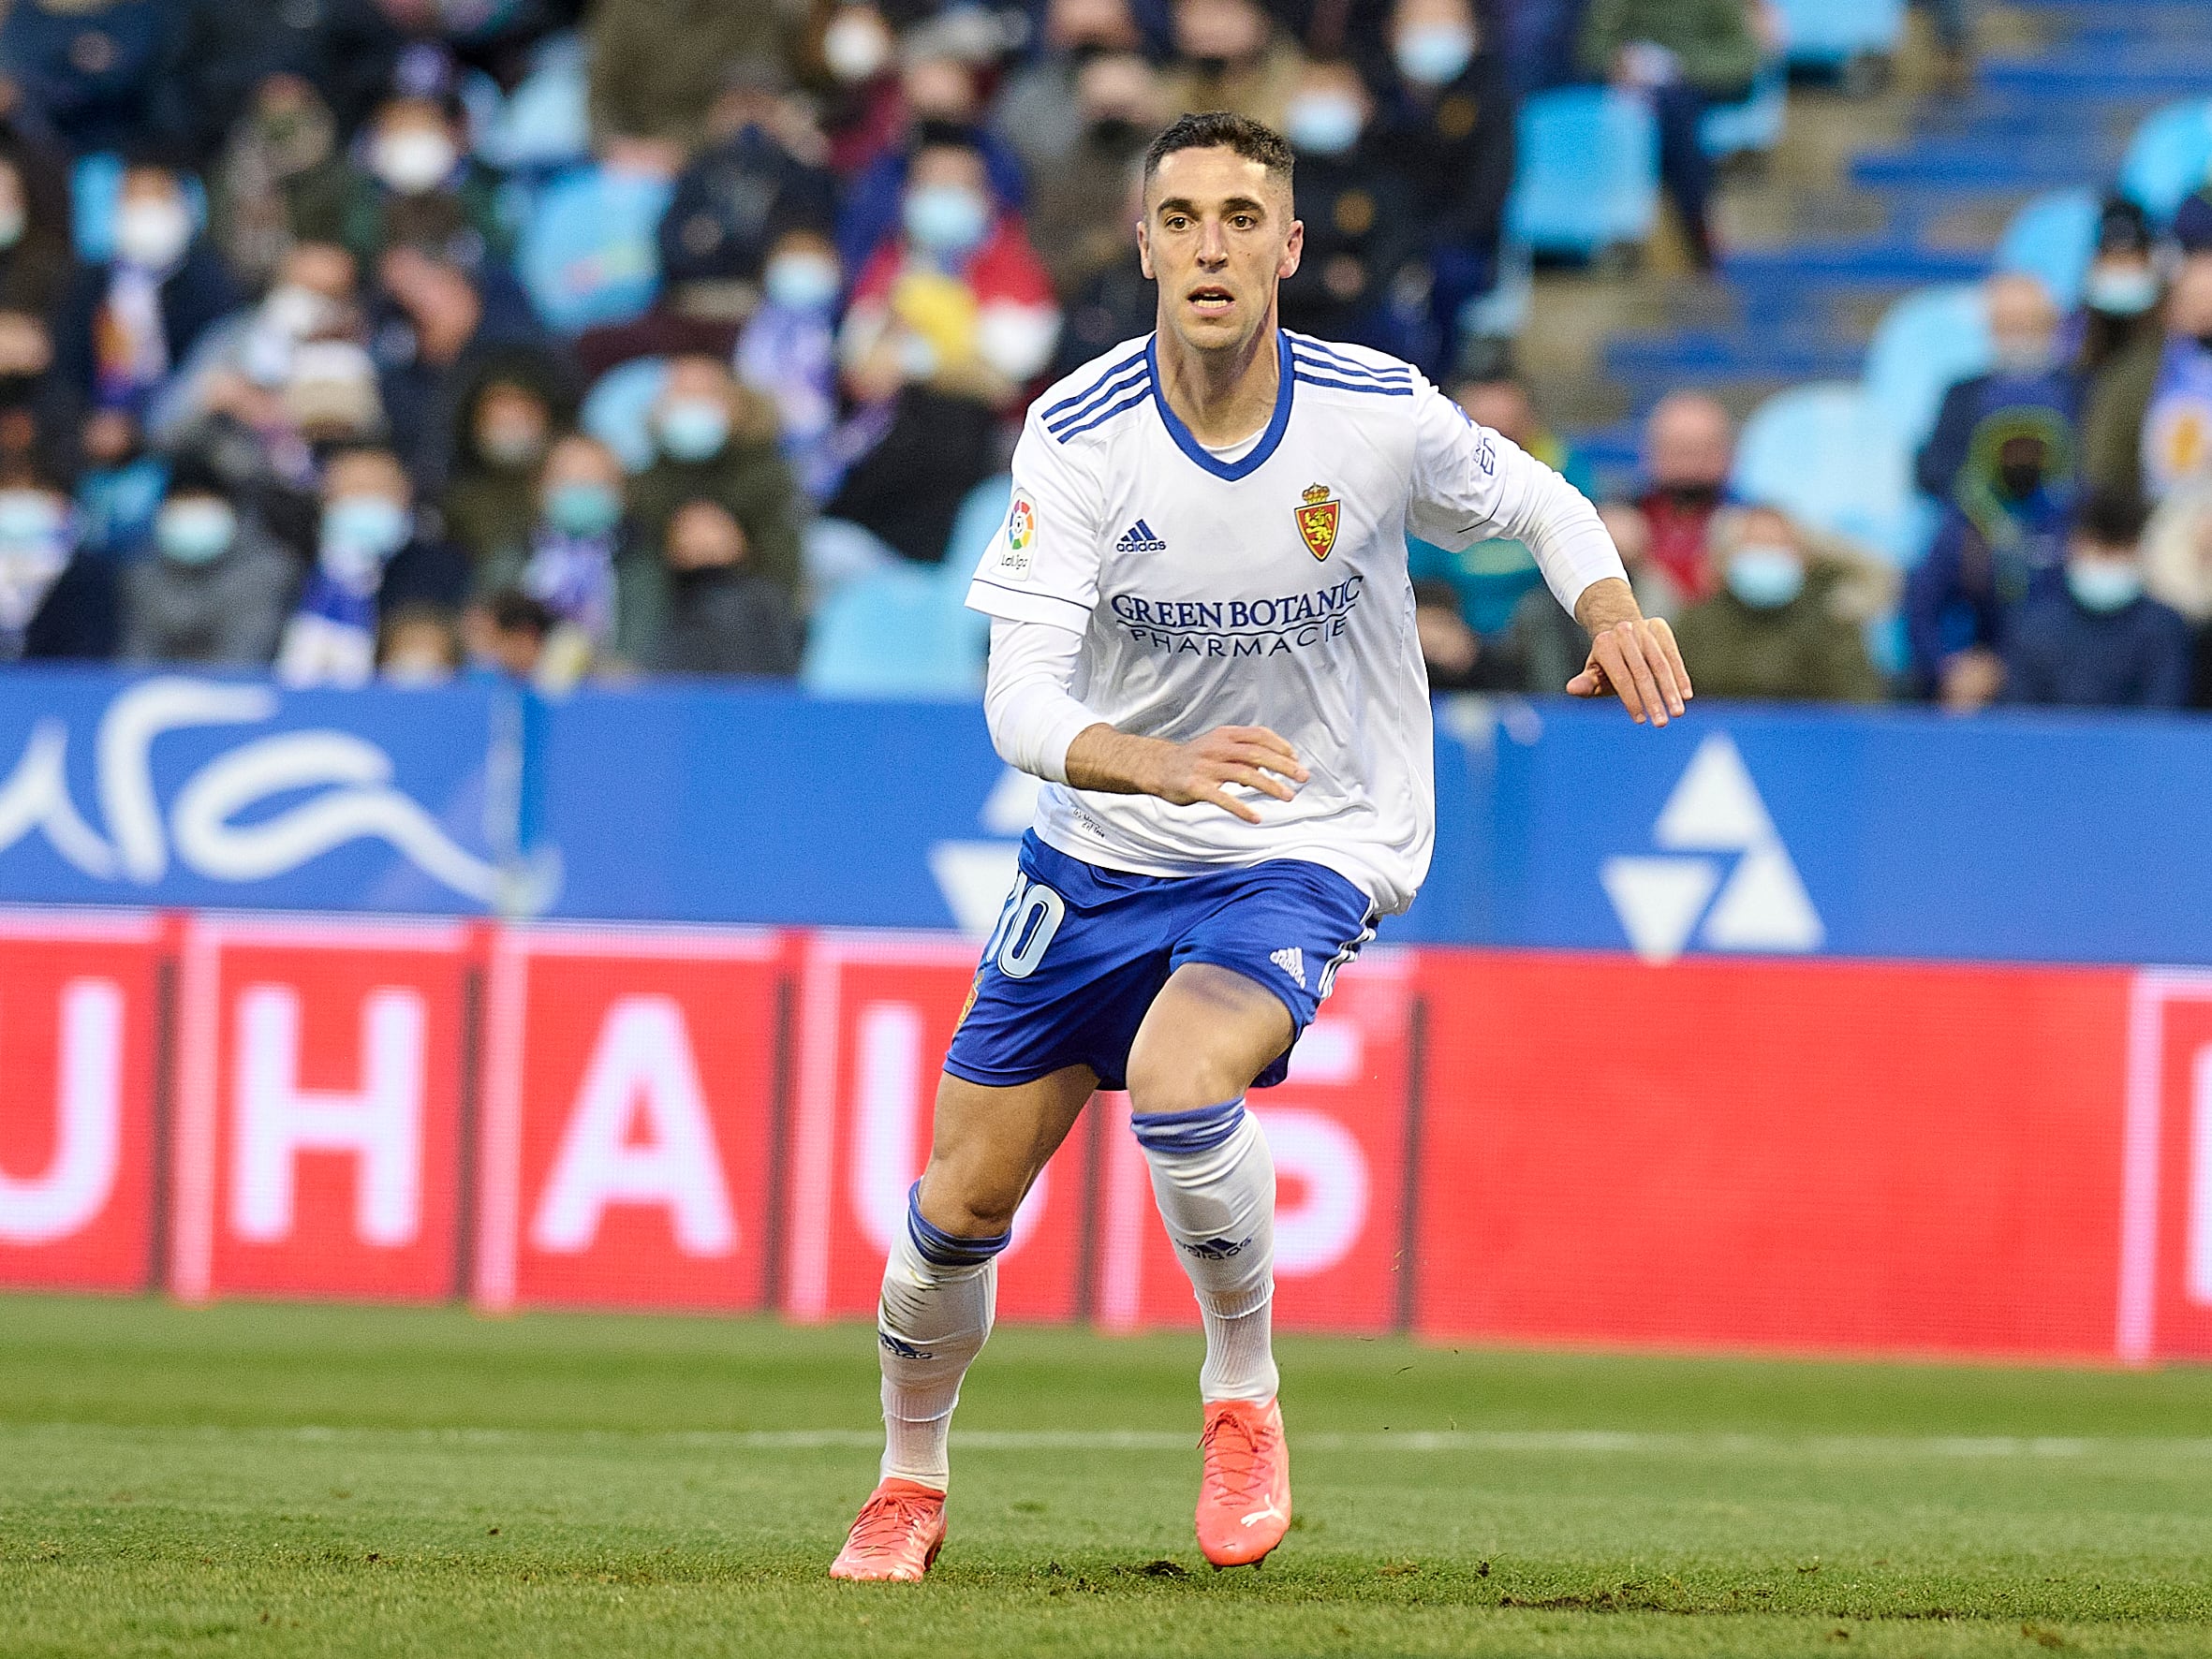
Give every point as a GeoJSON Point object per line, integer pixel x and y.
{"type": "Point", "coordinates": [1081, 952]}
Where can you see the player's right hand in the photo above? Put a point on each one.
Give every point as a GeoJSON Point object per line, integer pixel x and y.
{"type": "Point", "coordinates": [1204, 767]}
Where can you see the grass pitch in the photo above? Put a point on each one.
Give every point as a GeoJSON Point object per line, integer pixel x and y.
{"type": "Point", "coordinates": [290, 1480]}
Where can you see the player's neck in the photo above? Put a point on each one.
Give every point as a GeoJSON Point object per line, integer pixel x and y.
{"type": "Point", "coordinates": [1223, 397]}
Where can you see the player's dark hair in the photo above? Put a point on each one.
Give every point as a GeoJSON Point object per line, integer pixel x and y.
{"type": "Point", "coordinates": [2112, 518]}
{"type": "Point", "coordinates": [1217, 129]}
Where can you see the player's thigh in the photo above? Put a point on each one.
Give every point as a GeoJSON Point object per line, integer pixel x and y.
{"type": "Point", "coordinates": [988, 1144]}
{"type": "Point", "coordinates": [1207, 1035]}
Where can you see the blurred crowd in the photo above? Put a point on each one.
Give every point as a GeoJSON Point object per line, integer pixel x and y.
{"type": "Point", "coordinates": [544, 338]}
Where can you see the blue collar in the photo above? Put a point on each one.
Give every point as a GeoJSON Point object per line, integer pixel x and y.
{"type": "Point", "coordinates": [1254, 459]}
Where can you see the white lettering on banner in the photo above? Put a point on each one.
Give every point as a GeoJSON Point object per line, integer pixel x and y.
{"type": "Point", "coordinates": [278, 1120]}
{"type": "Point", "coordinates": [356, 801]}
{"type": "Point", "coordinates": [887, 1127]}
{"type": "Point", "coordinates": [2200, 1179]}
{"type": "Point", "coordinates": [88, 1112]}
{"type": "Point", "coordinates": [1323, 1156]}
{"type": "Point", "coordinates": [643, 1075]}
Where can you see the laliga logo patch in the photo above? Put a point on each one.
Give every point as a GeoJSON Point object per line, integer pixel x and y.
{"type": "Point", "coordinates": [1020, 535]}
{"type": "Point", "coordinates": [1317, 520]}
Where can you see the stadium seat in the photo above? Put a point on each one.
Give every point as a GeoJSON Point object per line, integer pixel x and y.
{"type": "Point", "coordinates": [1828, 455]}
{"type": "Point", "coordinates": [2053, 237]}
{"type": "Point", "coordinates": [1923, 342]}
{"type": "Point", "coordinates": [590, 254]}
{"type": "Point", "coordinates": [1588, 173]}
{"type": "Point", "coordinates": [2169, 155]}
{"type": "Point", "coordinates": [1752, 127]}
{"type": "Point", "coordinates": [1823, 34]}
{"type": "Point", "coordinates": [982, 513]}
{"type": "Point", "coordinates": [545, 122]}
{"type": "Point", "coordinates": [895, 633]}
{"type": "Point", "coordinates": [618, 411]}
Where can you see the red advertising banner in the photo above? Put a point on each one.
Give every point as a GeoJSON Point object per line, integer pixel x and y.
{"type": "Point", "coordinates": [1337, 1129]}
{"type": "Point", "coordinates": [629, 1112]}
{"type": "Point", "coordinates": [876, 1013]}
{"type": "Point", "coordinates": [318, 1108]}
{"type": "Point", "coordinates": [77, 1024]}
{"type": "Point", "coordinates": [1815, 1155]}
{"type": "Point", "coordinates": [2165, 1283]}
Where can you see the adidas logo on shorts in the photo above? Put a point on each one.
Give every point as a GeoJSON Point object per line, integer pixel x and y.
{"type": "Point", "coordinates": [1291, 962]}
{"type": "Point", "coordinates": [1139, 538]}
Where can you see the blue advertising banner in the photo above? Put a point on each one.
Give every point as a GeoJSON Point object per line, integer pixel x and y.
{"type": "Point", "coordinates": [1882, 834]}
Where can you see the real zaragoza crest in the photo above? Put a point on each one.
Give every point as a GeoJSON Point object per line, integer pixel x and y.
{"type": "Point", "coordinates": [1317, 520]}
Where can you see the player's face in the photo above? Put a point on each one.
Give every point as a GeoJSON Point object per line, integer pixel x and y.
{"type": "Point", "coordinates": [1217, 236]}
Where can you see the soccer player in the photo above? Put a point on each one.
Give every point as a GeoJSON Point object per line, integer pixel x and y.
{"type": "Point", "coordinates": [1203, 640]}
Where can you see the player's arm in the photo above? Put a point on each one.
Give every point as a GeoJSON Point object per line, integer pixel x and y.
{"type": "Point", "coordinates": [1040, 728]}
{"type": "Point", "coordinates": [1632, 657]}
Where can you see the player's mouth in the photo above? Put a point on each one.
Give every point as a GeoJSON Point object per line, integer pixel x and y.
{"type": "Point", "coordinates": [1211, 300]}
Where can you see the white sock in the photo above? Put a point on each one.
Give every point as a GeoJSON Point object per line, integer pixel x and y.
{"type": "Point", "coordinates": [939, 1296]}
{"type": "Point", "coordinates": [1213, 1181]}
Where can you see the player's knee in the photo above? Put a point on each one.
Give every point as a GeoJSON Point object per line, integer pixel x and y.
{"type": "Point", "coordinates": [1163, 1081]}
{"type": "Point", "coordinates": [967, 1204]}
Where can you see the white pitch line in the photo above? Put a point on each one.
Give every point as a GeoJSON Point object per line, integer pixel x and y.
{"type": "Point", "coordinates": [1426, 1442]}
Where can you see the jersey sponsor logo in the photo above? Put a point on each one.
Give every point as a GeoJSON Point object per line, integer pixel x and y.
{"type": "Point", "coordinates": [1139, 538]}
{"type": "Point", "coordinates": [1014, 558]}
{"type": "Point", "coordinates": [1291, 962]}
{"type": "Point", "coordinates": [1318, 519]}
{"type": "Point", "coordinates": [1240, 627]}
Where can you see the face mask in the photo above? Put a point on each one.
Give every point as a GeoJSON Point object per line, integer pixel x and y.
{"type": "Point", "coordinates": [194, 531]}
{"type": "Point", "coordinates": [945, 218]}
{"type": "Point", "coordinates": [2103, 586]}
{"type": "Point", "coordinates": [296, 311]}
{"type": "Point", "coordinates": [152, 235]}
{"type": "Point", "coordinates": [11, 225]}
{"type": "Point", "coordinates": [802, 282]}
{"type": "Point", "coordinates": [359, 534]}
{"type": "Point", "coordinates": [1323, 122]}
{"type": "Point", "coordinates": [583, 509]}
{"type": "Point", "coordinates": [28, 519]}
{"type": "Point", "coordinates": [415, 159]}
{"type": "Point", "coordinates": [2127, 292]}
{"type": "Point", "coordinates": [1766, 577]}
{"type": "Point", "coordinates": [2022, 357]}
{"type": "Point", "coordinates": [511, 446]}
{"type": "Point", "coordinates": [854, 47]}
{"type": "Point", "coordinates": [1435, 55]}
{"type": "Point", "coordinates": [694, 429]}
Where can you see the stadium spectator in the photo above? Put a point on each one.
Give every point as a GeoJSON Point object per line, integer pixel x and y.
{"type": "Point", "coordinates": [787, 354]}
{"type": "Point", "coordinates": [418, 645]}
{"type": "Point", "coordinates": [1681, 56]}
{"type": "Point", "coordinates": [507, 424]}
{"type": "Point", "coordinates": [759, 177]}
{"type": "Point", "coordinates": [125, 325]}
{"type": "Point", "coordinates": [1549, 644]}
{"type": "Point", "coordinates": [119, 485]}
{"type": "Point", "coordinates": [2148, 428]}
{"type": "Point", "coordinates": [2104, 643]}
{"type": "Point", "coordinates": [1038, 111]}
{"type": "Point", "coordinates": [2177, 571]}
{"type": "Point", "coordinates": [280, 179]}
{"type": "Point", "coordinates": [1688, 447]}
{"type": "Point", "coordinates": [218, 587]}
{"type": "Point", "coordinates": [1993, 427]}
{"type": "Point", "coordinates": [1118, 100]}
{"type": "Point", "coordinates": [713, 441]}
{"type": "Point", "coordinates": [2120, 292]}
{"type": "Point", "coordinates": [224, 56]}
{"type": "Point", "coordinates": [421, 188]}
{"type": "Point", "coordinates": [36, 256]}
{"type": "Point", "coordinates": [723, 616]}
{"type": "Point", "coordinates": [578, 539]}
{"type": "Point", "coordinates": [508, 633]}
{"type": "Point", "coordinates": [90, 70]}
{"type": "Point", "coordinates": [2192, 219]}
{"type": "Point", "coordinates": [1448, 124]}
{"type": "Point", "coordinates": [657, 66]}
{"type": "Point", "coordinates": [1362, 227]}
{"type": "Point", "coordinates": [1231, 55]}
{"type": "Point", "coordinates": [369, 557]}
{"type": "Point", "coordinates": [1458, 658]}
{"type": "Point", "coordinates": [1776, 629]}
{"type": "Point", "coordinates": [1118, 303]}
{"type": "Point", "coordinates": [43, 612]}
{"type": "Point", "coordinates": [851, 59]}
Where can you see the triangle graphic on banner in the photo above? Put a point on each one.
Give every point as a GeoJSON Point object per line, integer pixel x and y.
{"type": "Point", "coordinates": [1659, 900]}
{"type": "Point", "coordinates": [1764, 906]}
{"type": "Point", "coordinates": [1715, 807]}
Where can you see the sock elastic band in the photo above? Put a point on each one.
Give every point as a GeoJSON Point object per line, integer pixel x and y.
{"type": "Point", "coordinates": [949, 1250]}
{"type": "Point", "coordinates": [1199, 1131]}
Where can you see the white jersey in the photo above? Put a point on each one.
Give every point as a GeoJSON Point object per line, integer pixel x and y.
{"type": "Point", "coordinates": [1264, 585]}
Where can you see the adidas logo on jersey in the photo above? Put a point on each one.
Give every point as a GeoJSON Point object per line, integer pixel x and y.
{"type": "Point", "coordinates": [1291, 962]}
{"type": "Point", "coordinates": [1139, 538]}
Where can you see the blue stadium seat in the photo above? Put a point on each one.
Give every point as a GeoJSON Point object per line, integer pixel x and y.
{"type": "Point", "coordinates": [1588, 174]}
{"type": "Point", "coordinates": [545, 122]}
{"type": "Point", "coordinates": [2053, 237]}
{"type": "Point", "coordinates": [1927, 341]}
{"type": "Point", "coordinates": [982, 513]}
{"type": "Point", "coordinates": [2169, 155]}
{"type": "Point", "coordinates": [590, 254]}
{"type": "Point", "coordinates": [897, 634]}
{"type": "Point", "coordinates": [619, 409]}
{"type": "Point", "coordinates": [1825, 32]}
{"type": "Point", "coordinates": [1828, 455]}
{"type": "Point", "coordinates": [1754, 126]}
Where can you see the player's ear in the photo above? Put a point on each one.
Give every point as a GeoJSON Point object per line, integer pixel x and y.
{"type": "Point", "coordinates": [1293, 250]}
{"type": "Point", "coordinates": [1145, 251]}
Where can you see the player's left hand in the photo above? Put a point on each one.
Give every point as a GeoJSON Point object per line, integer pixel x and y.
{"type": "Point", "coordinates": [1637, 661]}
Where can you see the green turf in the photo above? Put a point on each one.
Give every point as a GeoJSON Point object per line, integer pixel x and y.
{"type": "Point", "coordinates": [329, 1481]}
